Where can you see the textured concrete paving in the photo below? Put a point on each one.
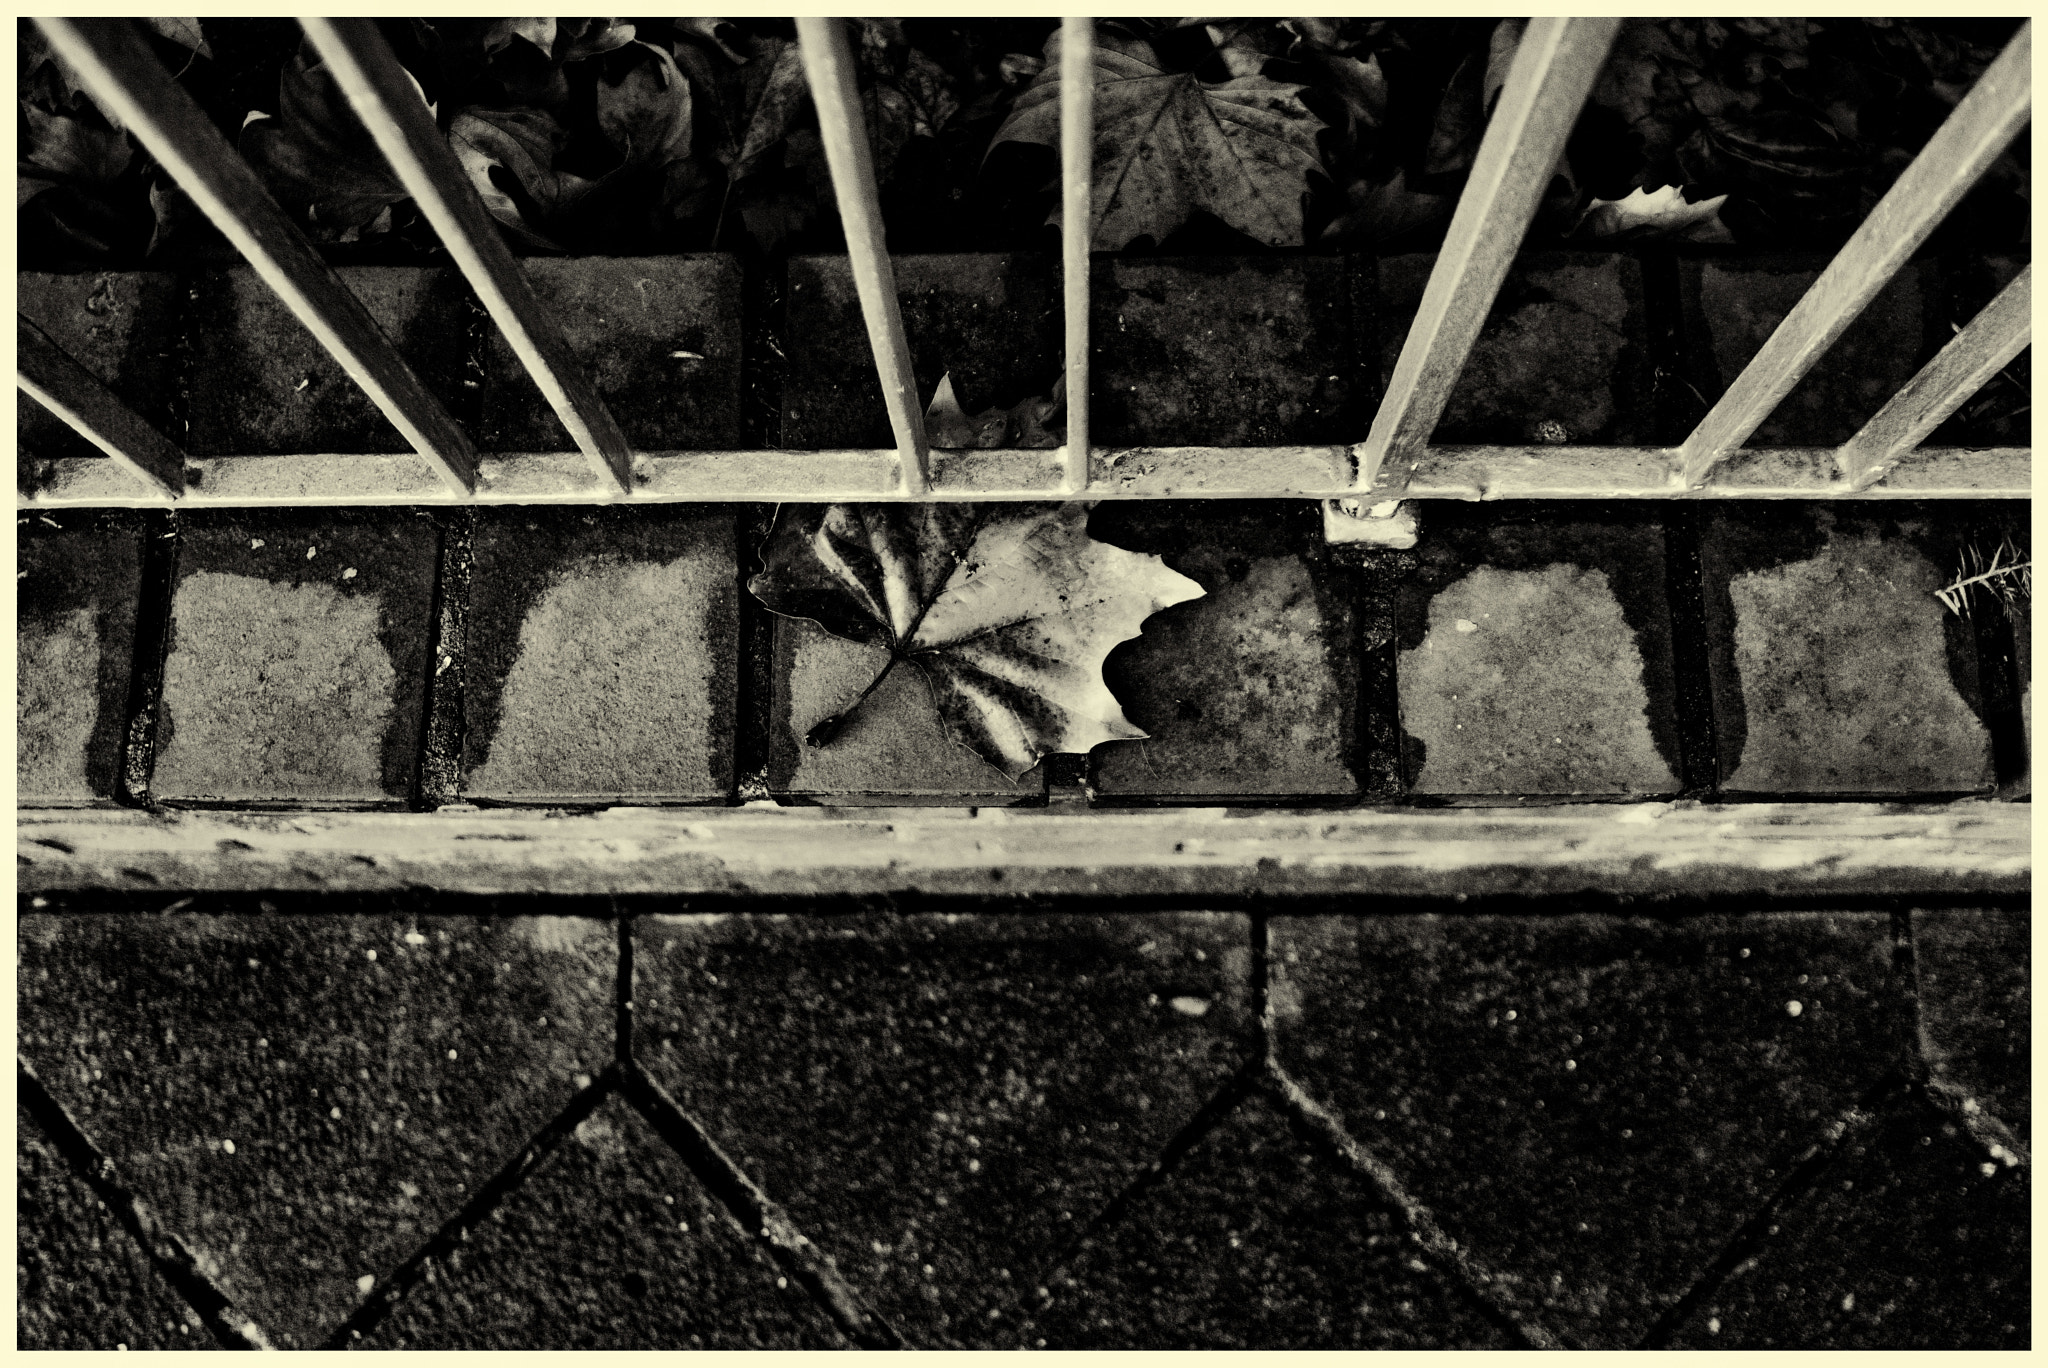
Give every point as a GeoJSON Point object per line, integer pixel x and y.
{"type": "Point", "coordinates": [306, 1098]}
{"type": "Point", "coordinates": [1250, 690]}
{"type": "Point", "coordinates": [658, 336]}
{"type": "Point", "coordinates": [1257, 1240]}
{"type": "Point", "coordinates": [602, 656]}
{"type": "Point", "coordinates": [1973, 970]}
{"type": "Point", "coordinates": [1591, 1106]}
{"type": "Point", "coordinates": [78, 578]}
{"type": "Point", "coordinates": [1563, 356]}
{"type": "Point", "coordinates": [610, 1244]}
{"type": "Point", "coordinates": [1835, 670]}
{"type": "Point", "coordinates": [298, 659]}
{"type": "Point", "coordinates": [1535, 656]}
{"type": "Point", "coordinates": [1910, 1206]}
{"type": "Point", "coordinates": [261, 383]}
{"type": "Point", "coordinates": [942, 1103]}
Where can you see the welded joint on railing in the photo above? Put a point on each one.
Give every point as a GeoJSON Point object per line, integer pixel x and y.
{"type": "Point", "coordinates": [1999, 332]}
{"type": "Point", "coordinates": [115, 64]}
{"type": "Point", "coordinates": [1077, 229]}
{"type": "Point", "coordinates": [391, 106]}
{"type": "Point", "coordinates": [1973, 136]}
{"type": "Point", "coordinates": [1553, 71]}
{"type": "Point", "coordinates": [829, 67]}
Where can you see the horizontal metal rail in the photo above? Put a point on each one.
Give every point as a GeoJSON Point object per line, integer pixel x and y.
{"type": "Point", "coordinates": [117, 67]}
{"type": "Point", "coordinates": [1553, 71]}
{"type": "Point", "coordinates": [389, 104]}
{"type": "Point", "coordinates": [871, 476]}
{"type": "Point", "coordinates": [1973, 136]}
{"type": "Point", "coordinates": [1814, 849]}
{"type": "Point", "coordinates": [48, 374]}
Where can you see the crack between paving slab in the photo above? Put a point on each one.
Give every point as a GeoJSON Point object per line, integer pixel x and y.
{"type": "Point", "coordinates": [151, 646]}
{"type": "Point", "coordinates": [807, 1265]}
{"type": "Point", "coordinates": [438, 775]}
{"type": "Point", "coordinates": [1957, 1103]}
{"type": "Point", "coordinates": [389, 1292]}
{"type": "Point", "coordinates": [1450, 1258]}
{"type": "Point", "coordinates": [173, 1259]}
{"type": "Point", "coordinates": [1861, 1117]}
{"type": "Point", "coordinates": [623, 1048]}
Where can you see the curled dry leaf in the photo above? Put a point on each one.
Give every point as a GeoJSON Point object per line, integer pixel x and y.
{"type": "Point", "coordinates": [1007, 610]}
{"type": "Point", "coordinates": [1033, 422]}
{"type": "Point", "coordinates": [1655, 213]}
{"type": "Point", "coordinates": [1167, 144]}
{"type": "Point", "coordinates": [509, 155]}
{"type": "Point", "coordinates": [315, 154]}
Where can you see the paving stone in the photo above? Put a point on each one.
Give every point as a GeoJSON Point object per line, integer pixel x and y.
{"type": "Point", "coordinates": [992, 321]}
{"type": "Point", "coordinates": [942, 1103]}
{"type": "Point", "coordinates": [1563, 356]}
{"type": "Point", "coordinates": [80, 1280]}
{"type": "Point", "coordinates": [298, 659]}
{"type": "Point", "coordinates": [1912, 1240]}
{"type": "Point", "coordinates": [658, 336]}
{"type": "Point", "coordinates": [1249, 691]}
{"type": "Point", "coordinates": [1255, 1241]}
{"type": "Point", "coordinates": [1591, 1106]}
{"type": "Point", "coordinates": [1973, 973]}
{"type": "Point", "coordinates": [305, 1098]}
{"type": "Point", "coordinates": [78, 577]}
{"type": "Point", "coordinates": [1535, 655]}
{"type": "Point", "coordinates": [1834, 668]}
{"type": "Point", "coordinates": [262, 384]}
{"type": "Point", "coordinates": [602, 655]}
{"type": "Point", "coordinates": [894, 749]}
{"type": "Point", "coordinates": [609, 1244]}
{"type": "Point", "coordinates": [120, 325]}
{"type": "Point", "coordinates": [1730, 308]}
{"type": "Point", "coordinates": [1232, 351]}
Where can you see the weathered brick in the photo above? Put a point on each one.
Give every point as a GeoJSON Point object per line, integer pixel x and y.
{"type": "Point", "coordinates": [609, 1244]}
{"type": "Point", "coordinates": [894, 749]}
{"type": "Point", "coordinates": [80, 1280]}
{"type": "Point", "coordinates": [298, 666]}
{"type": "Point", "coordinates": [1591, 1106]}
{"type": "Point", "coordinates": [1973, 972]}
{"type": "Point", "coordinates": [1232, 351]}
{"type": "Point", "coordinates": [991, 321]}
{"type": "Point", "coordinates": [1535, 655]}
{"type": "Point", "coordinates": [658, 336]}
{"type": "Point", "coordinates": [261, 383]}
{"type": "Point", "coordinates": [304, 1099]}
{"type": "Point", "coordinates": [1834, 668]}
{"type": "Point", "coordinates": [1730, 308]}
{"type": "Point", "coordinates": [1250, 690]}
{"type": "Point", "coordinates": [602, 656]}
{"type": "Point", "coordinates": [943, 1102]}
{"type": "Point", "coordinates": [122, 326]}
{"type": "Point", "coordinates": [1911, 1240]}
{"type": "Point", "coordinates": [1563, 356]}
{"type": "Point", "coordinates": [1256, 1240]}
{"type": "Point", "coordinates": [78, 580]}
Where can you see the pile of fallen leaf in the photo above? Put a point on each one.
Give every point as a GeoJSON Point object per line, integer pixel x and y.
{"type": "Point", "coordinates": [616, 137]}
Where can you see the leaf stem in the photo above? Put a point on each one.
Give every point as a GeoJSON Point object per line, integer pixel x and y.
{"type": "Point", "coordinates": [822, 734]}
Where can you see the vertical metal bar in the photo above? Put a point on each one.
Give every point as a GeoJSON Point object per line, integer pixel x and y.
{"type": "Point", "coordinates": [1961, 150]}
{"type": "Point", "coordinates": [828, 63]}
{"type": "Point", "coordinates": [390, 106]}
{"type": "Point", "coordinates": [1553, 71]}
{"type": "Point", "coordinates": [117, 66]}
{"type": "Point", "coordinates": [1077, 223]}
{"type": "Point", "coordinates": [1992, 339]}
{"type": "Point", "coordinates": [54, 379]}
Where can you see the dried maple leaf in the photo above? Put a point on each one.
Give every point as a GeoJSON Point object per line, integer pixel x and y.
{"type": "Point", "coordinates": [1167, 144]}
{"type": "Point", "coordinates": [1034, 422]}
{"type": "Point", "coordinates": [1007, 610]}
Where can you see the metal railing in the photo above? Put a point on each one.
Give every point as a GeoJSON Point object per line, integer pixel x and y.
{"type": "Point", "coordinates": [1553, 70]}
